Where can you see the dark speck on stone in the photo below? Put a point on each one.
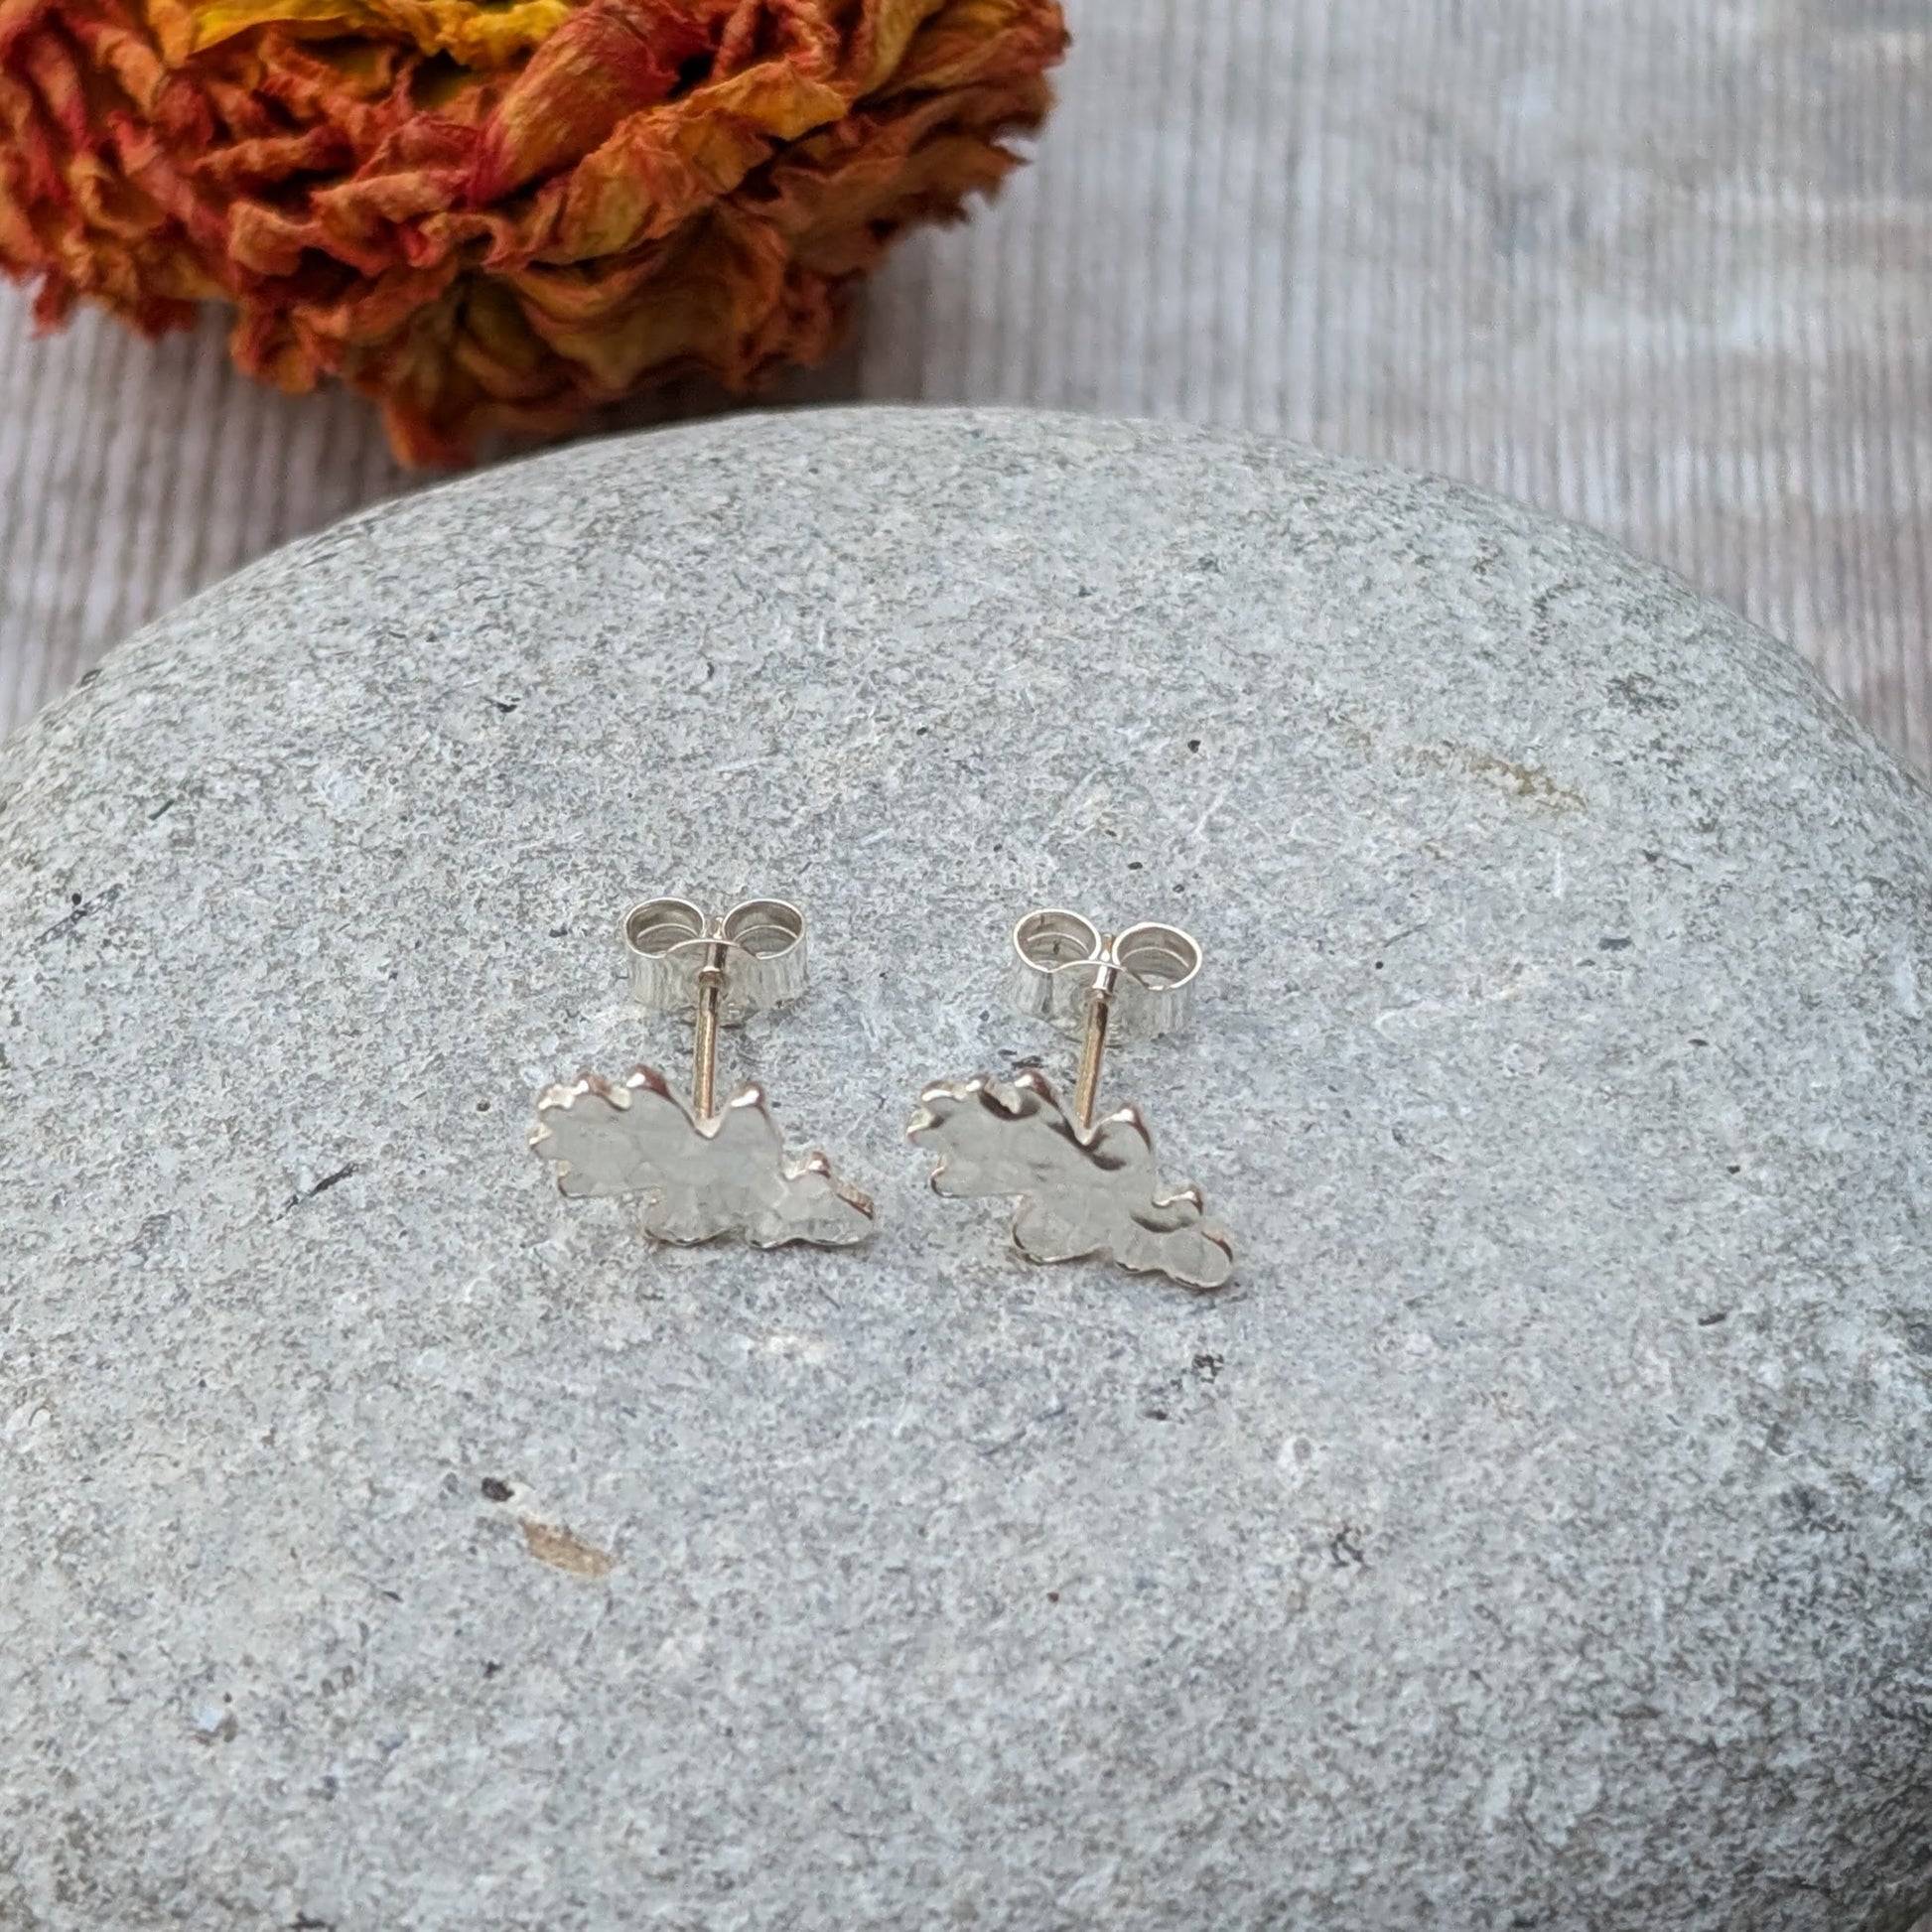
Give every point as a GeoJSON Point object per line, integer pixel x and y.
{"type": "Point", "coordinates": [1614, 944]}
{"type": "Point", "coordinates": [497, 1489]}
{"type": "Point", "coordinates": [346, 1172]}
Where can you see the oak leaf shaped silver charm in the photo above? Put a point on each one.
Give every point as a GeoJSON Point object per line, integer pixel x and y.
{"type": "Point", "coordinates": [700, 1181]}
{"type": "Point", "coordinates": [1085, 1193]}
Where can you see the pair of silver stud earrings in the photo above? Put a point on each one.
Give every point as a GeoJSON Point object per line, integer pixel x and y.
{"type": "Point", "coordinates": [1087, 1189]}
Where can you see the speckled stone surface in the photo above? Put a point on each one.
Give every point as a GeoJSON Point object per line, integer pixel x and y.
{"type": "Point", "coordinates": [1535, 1536]}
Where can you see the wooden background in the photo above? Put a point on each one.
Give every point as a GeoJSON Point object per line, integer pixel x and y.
{"type": "Point", "coordinates": [1661, 265]}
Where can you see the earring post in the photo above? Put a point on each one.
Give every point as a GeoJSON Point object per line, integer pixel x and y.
{"type": "Point", "coordinates": [704, 1043]}
{"type": "Point", "coordinates": [1093, 1044]}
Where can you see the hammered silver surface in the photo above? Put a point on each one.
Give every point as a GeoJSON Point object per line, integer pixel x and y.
{"type": "Point", "coordinates": [1092, 1196]}
{"type": "Point", "coordinates": [695, 1182]}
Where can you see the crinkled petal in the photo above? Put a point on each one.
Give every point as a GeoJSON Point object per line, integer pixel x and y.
{"type": "Point", "coordinates": [498, 216]}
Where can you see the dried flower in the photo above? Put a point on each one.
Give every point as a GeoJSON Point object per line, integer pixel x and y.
{"type": "Point", "coordinates": [497, 213]}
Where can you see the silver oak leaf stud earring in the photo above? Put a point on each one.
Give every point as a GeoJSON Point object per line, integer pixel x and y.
{"type": "Point", "coordinates": [1087, 1189]}
{"type": "Point", "coordinates": [703, 1172]}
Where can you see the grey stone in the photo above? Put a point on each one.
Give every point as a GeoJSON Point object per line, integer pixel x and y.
{"type": "Point", "coordinates": [1535, 1535]}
